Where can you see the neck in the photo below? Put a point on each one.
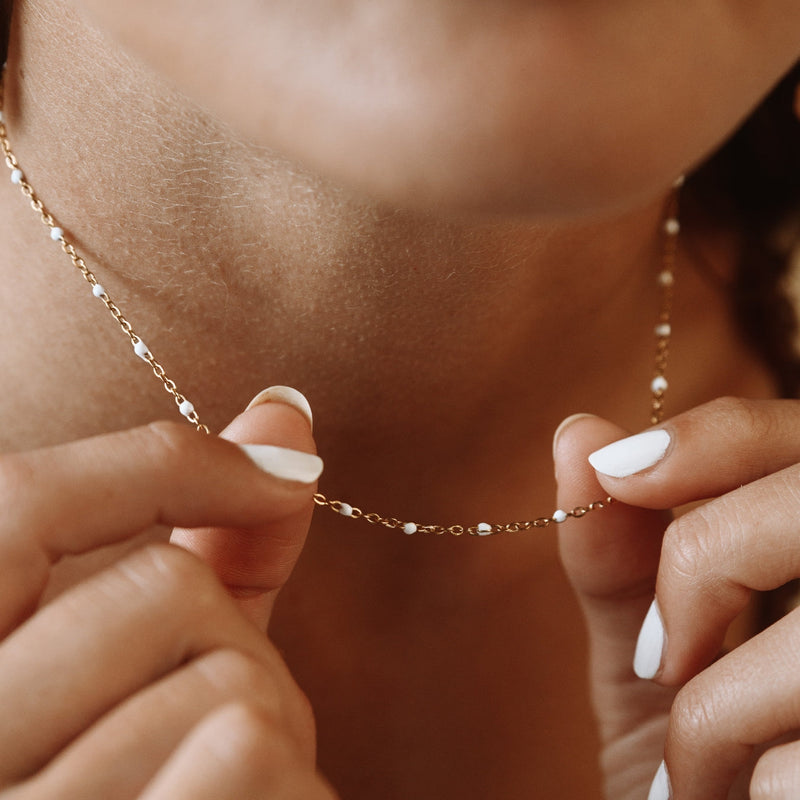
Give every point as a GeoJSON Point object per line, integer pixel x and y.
{"type": "Point", "coordinates": [439, 356]}
{"type": "Point", "coordinates": [430, 348]}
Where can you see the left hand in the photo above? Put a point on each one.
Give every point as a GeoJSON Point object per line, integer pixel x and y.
{"type": "Point", "coordinates": [145, 679]}
{"type": "Point", "coordinates": [253, 567]}
{"type": "Point", "coordinates": [712, 558]}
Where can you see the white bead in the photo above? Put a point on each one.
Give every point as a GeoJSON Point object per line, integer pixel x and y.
{"type": "Point", "coordinates": [140, 348]}
{"type": "Point", "coordinates": [666, 278]}
{"type": "Point", "coordinates": [98, 290]}
{"type": "Point", "coordinates": [664, 329]}
{"type": "Point", "coordinates": [186, 408]}
{"type": "Point", "coordinates": [56, 234]}
{"type": "Point", "coordinates": [346, 510]}
{"type": "Point", "coordinates": [484, 529]}
{"type": "Point", "coordinates": [560, 515]}
{"type": "Point", "coordinates": [672, 226]}
{"type": "Point", "coordinates": [16, 177]}
{"type": "Point", "coordinates": [409, 528]}
{"type": "Point", "coordinates": [659, 384]}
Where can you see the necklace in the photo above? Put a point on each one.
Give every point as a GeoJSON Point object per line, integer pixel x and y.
{"type": "Point", "coordinates": [658, 385]}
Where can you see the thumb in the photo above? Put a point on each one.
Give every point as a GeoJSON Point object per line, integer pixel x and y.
{"type": "Point", "coordinates": [255, 563]}
{"type": "Point", "coordinates": [611, 558]}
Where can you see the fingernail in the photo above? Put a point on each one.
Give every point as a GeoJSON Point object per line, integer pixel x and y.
{"type": "Point", "coordinates": [650, 644]}
{"type": "Point", "coordinates": [660, 788]}
{"type": "Point", "coordinates": [289, 465]}
{"type": "Point", "coordinates": [631, 455]}
{"type": "Point", "coordinates": [286, 395]}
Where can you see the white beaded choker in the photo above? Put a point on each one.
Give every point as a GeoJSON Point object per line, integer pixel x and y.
{"type": "Point", "coordinates": [658, 385]}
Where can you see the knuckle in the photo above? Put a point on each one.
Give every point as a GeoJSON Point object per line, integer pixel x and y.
{"type": "Point", "coordinates": [764, 786]}
{"type": "Point", "coordinates": [693, 718]}
{"type": "Point", "coordinates": [238, 675]}
{"type": "Point", "coordinates": [166, 443]}
{"type": "Point", "coordinates": [769, 779]}
{"type": "Point", "coordinates": [170, 575]}
{"type": "Point", "coordinates": [740, 415]}
{"type": "Point", "coordinates": [698, 550]}
{"type": "Point", "coordinates": [255, 746]}
{"type": "Point", "coordinates": [734, 410]}
{"type": "Point", "coordinates": [686, 548]}
{"type": "Point", "coordinates": [250, 741]}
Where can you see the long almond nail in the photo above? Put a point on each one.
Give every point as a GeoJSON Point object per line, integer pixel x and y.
{"type": "Point", "coordinates": [650, 644]}
{"type": "Point", "coordinates": [288, 465]}
{"type": "Point", "coordinates": [629, 456]}
{"type": "Point", "coordinates": [660, 789]}
{"type": "Point", "coordinates": [286, 395]}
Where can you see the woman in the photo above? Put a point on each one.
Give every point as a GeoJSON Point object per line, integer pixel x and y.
{"type": "Point", "coordinates": [444, 224]}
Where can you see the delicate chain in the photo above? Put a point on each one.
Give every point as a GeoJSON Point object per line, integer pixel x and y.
{"type": "Point", "coordinates": [666, 280]}
{"type": "Point", "coordinates": [57, 235]}
{"type": "Point", "coordinates": [658, 389]}
{"type": "Point", "coordinates": [481, 529]}
{"type": "Point", "coordinates": [658, 386]}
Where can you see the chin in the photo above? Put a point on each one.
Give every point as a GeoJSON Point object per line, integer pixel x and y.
{"type": "Point", "coordinates": [493, 108]}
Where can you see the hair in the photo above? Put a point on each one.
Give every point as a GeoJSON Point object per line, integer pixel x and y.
{"type": "Point", "coordinates": [751, 187]}
{"type": "Point", "coordinates": [5, 22]}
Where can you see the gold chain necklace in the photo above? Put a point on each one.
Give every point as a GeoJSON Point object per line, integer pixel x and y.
{"type": "Point", "coordinates": [658, 385]}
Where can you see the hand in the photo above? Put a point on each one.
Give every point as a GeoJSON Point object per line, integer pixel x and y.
{"type": "Point", "coordinates": [730, 710]}
{"type": "Point", "coordinates": [147, 680]}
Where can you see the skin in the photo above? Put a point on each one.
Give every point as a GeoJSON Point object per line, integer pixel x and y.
{"type": "Point", "coordinates": [704, 566]}
{"type": "Point", "coordinates": [208, 652]}
{"type": "Point", "coordinates": [437, 347]}
{"type": "Point", "coordinates": [370, 96]}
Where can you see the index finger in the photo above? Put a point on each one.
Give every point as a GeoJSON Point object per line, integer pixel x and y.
{"type": "Point", "coordinates": [701, 453]}
{"type": "Point", "coordinates": [77, 497]}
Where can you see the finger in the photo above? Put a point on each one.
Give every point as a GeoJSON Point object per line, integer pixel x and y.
{"type": "Point", "coordinates": [611, 557]}
{"type": "Point", "coordinates": [236, 753]}
{"type": "Point", "coordinates": [741, 701]}
{"type": "Point", "coordinates": [122, 753]}
{"type": "Point", "coordinates": [777, 774]}
{"type": "Point", "coordinates": [712, 558]}
{"type": "Point", "coordinates": [77, 497]}
{"type": "Point", "coordinates": [108, 638]}
{"type": "Point", "coordinates": [702, 453]}
{"type": "Point", "coordinates": [254, 564]}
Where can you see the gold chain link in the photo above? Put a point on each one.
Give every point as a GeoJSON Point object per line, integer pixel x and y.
{"type": "Point", "coordinates": [658, 387]}
{"type": "Point", "coordinates": [492, 529]}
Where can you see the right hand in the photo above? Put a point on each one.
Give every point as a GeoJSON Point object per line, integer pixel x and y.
{"type": "Point", "coordinates": [731, 730]}
{"type": "Point", "coordinates": [148, 680]}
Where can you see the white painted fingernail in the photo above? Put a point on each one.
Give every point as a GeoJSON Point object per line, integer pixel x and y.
{"type": "Point", "coordinates": [660, 788]}
{"type": "Point", "coordinates": [289, 465]}
{"type": "Point", "coordinates": [650, 644]}
{"type": "Point", "coordinates": [286, 395]}
{"type": "Point", "coordinates": [631, 455]}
